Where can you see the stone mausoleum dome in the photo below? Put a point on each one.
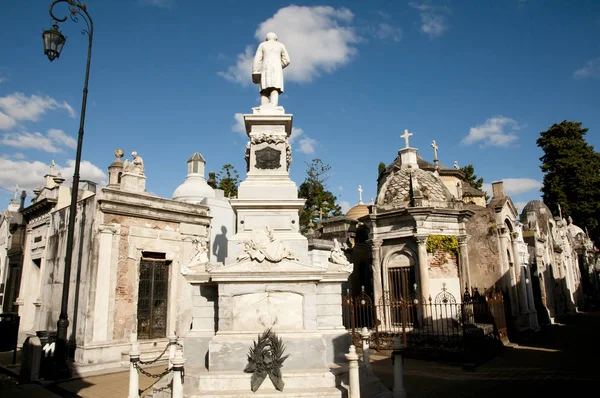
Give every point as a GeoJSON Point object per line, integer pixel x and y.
{"type": "Point", "coordinates": [194, 188]}
{"type": "Point", "coordinates": [358, 211]}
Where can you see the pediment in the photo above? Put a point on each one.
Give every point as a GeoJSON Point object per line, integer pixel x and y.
{"type": "Point", "coordinates": [284, 270]}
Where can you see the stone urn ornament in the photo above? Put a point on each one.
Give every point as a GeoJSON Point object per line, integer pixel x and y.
{"type": "Point", "coordinates": [265, 359]}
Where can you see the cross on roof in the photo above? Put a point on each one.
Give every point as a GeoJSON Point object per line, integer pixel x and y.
{"type": "Point", "coordinates": [16, 191]}
{"type": "Point", "coordinates": [52, 168]}
{"type": "Point", "coordinates": [405, 136]}
{"type": "Point", "coordinates": [360, 191]}
{"type": "Point", "coordinates": [435, 149]}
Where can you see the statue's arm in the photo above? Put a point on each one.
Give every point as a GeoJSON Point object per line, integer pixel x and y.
{"type": "Point", "coordinates": [285, 57]}
{"type": "Point", "coordinates": [258, 57]}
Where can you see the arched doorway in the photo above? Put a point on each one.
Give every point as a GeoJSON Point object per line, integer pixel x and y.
{"type": "Point", "coordinates": [400, 284]}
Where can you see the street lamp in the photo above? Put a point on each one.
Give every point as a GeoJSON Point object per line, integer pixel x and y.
{"type": "Point", "coordinates": [53, 44]}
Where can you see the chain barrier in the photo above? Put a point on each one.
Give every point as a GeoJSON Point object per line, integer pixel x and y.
{"type": "Point", "coordinates": [161, 355]}
{"type": "Point", "coordinates": [146, 373]}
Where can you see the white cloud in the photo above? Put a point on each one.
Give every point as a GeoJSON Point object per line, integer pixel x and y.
{"type": "Point", "coordinates": [61, 138]}
{"type": "Point", "coordinates": [318, 39]}
{"type": "Point", "coordinates": [385, 30]}
{"type": "Point", "coordinates": [18, 155]}
{"type": "Point", "coordinates": [520, 205]}
{"type": "Point", "coordinates": [296, 132]}
{"type": "Point", "coordinates": [307, 145]}
{"type": "Point", "coordinates": [340, 188]}
{"type": "Point", "coordinates": [590, 69]}
{"type": "Point", "coordinates": [493, 132]}
{"type": "Point", "coordinates": [515, 186]}
{"type": "Point", "coordinates": [434, 19]}
{"type": "Point", "coordinates": [52, 142]}
{"type": "Point", "coordinates": [31, 174]}
{"type": "Point", "coordinates": [345, 205]}
{"type": "Point", "coordinates": [158, 3]}
{"type": "Point", "coordinates": [239, 126]}
{"type": "Point", "coordinates": [19, 107]}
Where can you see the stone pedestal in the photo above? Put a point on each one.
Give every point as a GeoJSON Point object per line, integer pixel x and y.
{"type": "Point", "coordinates": [132, 182]}
{"type": "Point", "coordinates": [269, 280]}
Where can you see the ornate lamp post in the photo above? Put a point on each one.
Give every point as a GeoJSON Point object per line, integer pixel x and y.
{"type": "Point", "coordinates": [53, 44]}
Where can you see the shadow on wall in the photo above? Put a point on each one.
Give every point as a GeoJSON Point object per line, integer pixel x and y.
{"type": "Point", "coordinates": [220, 245]}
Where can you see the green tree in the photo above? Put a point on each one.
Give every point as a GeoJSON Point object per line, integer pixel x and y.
{"type": "Point", "coordinates": [319, 201]}
{"type": "Point", "coordinates": [380, 169]}
{"type": "Point", "coordinates": [571, 174]}
{"type": "Point", "coordinates": [228, 180]}
{"type": "Point", "coordinates": [472, 179]}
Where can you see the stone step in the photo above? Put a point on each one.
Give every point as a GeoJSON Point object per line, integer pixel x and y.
{"type": "Point", "coordinates": [289, 393]}
{"type": "Point", "coordinates": [234, 380]}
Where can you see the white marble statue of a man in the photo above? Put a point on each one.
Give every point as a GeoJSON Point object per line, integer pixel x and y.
{"type": "Point", "coordinates": [267, 70]}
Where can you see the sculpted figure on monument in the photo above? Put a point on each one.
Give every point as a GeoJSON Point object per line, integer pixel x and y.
{"type": "Point", "coordinates": [262, 245]}
{"type": "Point", "coordinates": [267, 70]}
{"type": "Point", "coordinates": [136, 166]}
{"type": "Point", "coordinates": [338, 257]}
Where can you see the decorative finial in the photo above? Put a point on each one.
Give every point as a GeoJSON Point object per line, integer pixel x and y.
{"type": "Point", "coordinates": [435, 149]}
{"type": "Point", "coordinates": [52, 164]}
{"type": "Point", "coordinates": [456, 165]}
{"type": "Point", "coordinates": [119, 154]}
{"type": "Point", "coordinates": [405, 136]}
{"type": "Point", "coordinates": [360, 191]}
{"type": "Point", "coordinates": [16, 191]}
{"type": "Point", "coordinates": [58, 179]}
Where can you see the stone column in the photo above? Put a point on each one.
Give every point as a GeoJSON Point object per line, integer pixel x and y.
{"type": "Point", "coordinates": [504, 269]}
{"type": "Point", "coordinates": [102, 294]}
{"type": "Point", "coordinates": [134, 378]}
{"type": "Point", "coordinates": [423, 273]}
{"type": "Point", "coordinates": [465, 270]}
{"type": "Point", "coordinates": [177, 388]}
{"type": "Point", "coordinates": [398, 347]}
{"type": "Point", "coordinates": [365, 335]}
{"type": "Point", "coordinates": [522, 289]}
{"type": "Point", "coordinates": [377, 287]}
{"type": "Point", "coordinates": [530, 299]}
{"type": "Point", "coordinates": [354, 382]}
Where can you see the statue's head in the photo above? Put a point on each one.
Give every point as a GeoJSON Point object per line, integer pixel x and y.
{"type": "Point", "coordinates": [134, 154]}
{"type": "Point", "coordinates": [271, 36]}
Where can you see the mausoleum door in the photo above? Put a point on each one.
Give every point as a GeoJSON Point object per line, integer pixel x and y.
{"type": "Point", "coordinates": [152, 299]}
{"type": "Point", "coordinates": [400, 282]}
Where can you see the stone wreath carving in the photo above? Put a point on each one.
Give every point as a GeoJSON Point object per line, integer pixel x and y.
{"type": "Point", "coordinates": [288, 155]}
{"type": "Point", "coordinates": [262, 246]}
{"type": "Point", "coordinates": [265, 359]}
{"type": "Point", "coordinates": [269, 139]}
{"type": "Point", "coordinates": [337, 256]}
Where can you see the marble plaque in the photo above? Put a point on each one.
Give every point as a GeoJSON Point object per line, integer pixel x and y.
{"type": "Point", "coordinates": [258, 311]}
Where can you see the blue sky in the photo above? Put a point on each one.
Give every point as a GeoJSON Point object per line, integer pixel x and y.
{"type": "Point", "coordinates": [168, 77]}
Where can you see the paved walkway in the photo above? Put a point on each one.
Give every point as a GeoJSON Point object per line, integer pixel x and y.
{"type": "Point", "coordinates": [561, 358]}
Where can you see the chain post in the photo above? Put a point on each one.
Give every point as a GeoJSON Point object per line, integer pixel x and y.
{"type": "Point", "coordinates": [134, 378]}
{"type": "Point", "coordinates": [178, 374]}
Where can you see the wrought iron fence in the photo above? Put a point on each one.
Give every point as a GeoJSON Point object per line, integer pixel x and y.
{"type": "Point", "coordinates": [440, 323]}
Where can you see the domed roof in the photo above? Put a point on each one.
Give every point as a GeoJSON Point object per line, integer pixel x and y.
{"type": "Point", "coordinates": [397, 188]}
{"type": "Point", "coordinates": [536, 205]}
{"type": "Point", "coordinates": [358, 211]}
{"type": "Point", "coordinates": [195, 188]}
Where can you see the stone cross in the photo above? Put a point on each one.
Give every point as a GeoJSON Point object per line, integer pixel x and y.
{"type": "Point", "coordinates": [435, 149]}
{"type": "Point", "coordinates": [16, 191]}
{"type": "Point", "coordinates": [52, 168]}
{"type": "Point", "coordinates": [405, 136]}
{"type": "Point", "coordinates": [559, 211]}
{"type": "Point", "coordinates": [360, 191]}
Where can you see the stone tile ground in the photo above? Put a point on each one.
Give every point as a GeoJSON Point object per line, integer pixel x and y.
{"type": "Point", "coordinates": [560, 359]}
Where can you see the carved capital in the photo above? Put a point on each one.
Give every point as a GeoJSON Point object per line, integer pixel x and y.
{"type": "Point", "coordinates": [463, 239]}
{"type": "Point", "coordinates": [421, 239]}
{"type": "Point", "coordinates": [108, 228]}
{"type": "Point", "coordinates": [376, 243]}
